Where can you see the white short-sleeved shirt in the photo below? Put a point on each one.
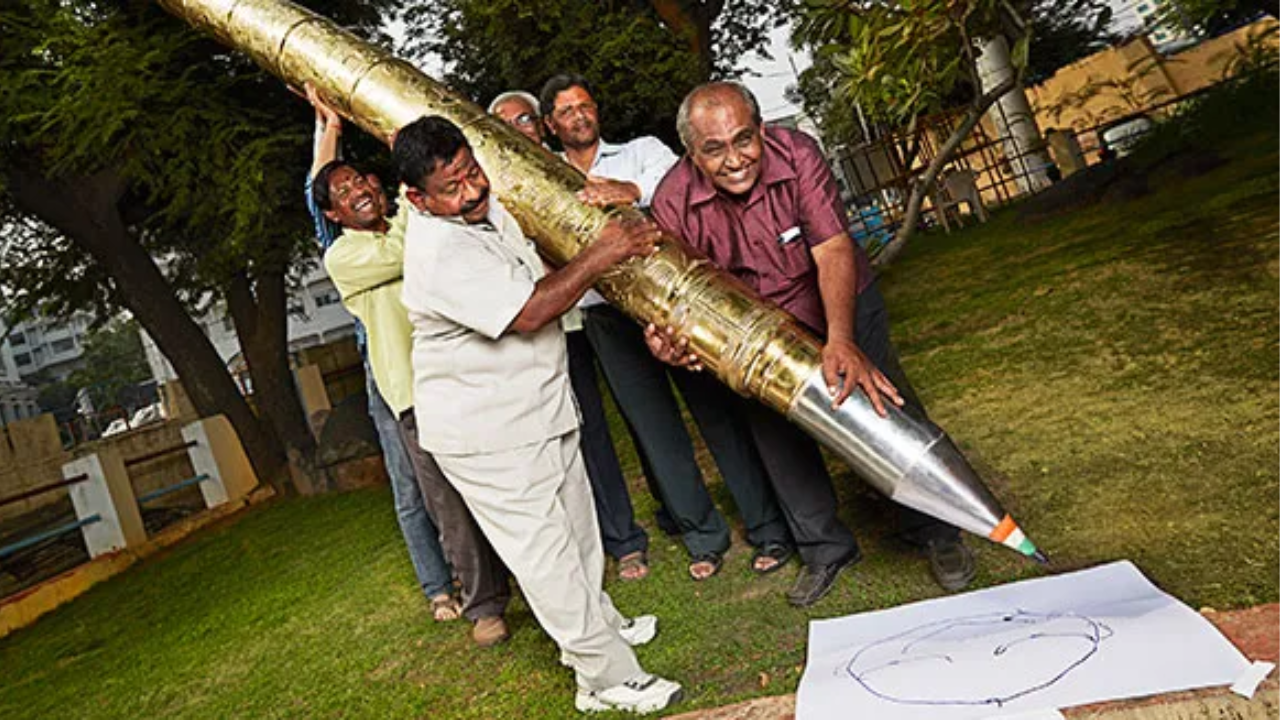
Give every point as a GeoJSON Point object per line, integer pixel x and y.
{"type": "Point", "coordinates": [643, 161]}
{"type": "Point", "coordinates": [477, 387]}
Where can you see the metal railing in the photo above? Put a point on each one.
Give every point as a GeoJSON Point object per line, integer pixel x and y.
{"type": "Point", "coordinates": [49, 534]}
{"type": "Point", "coordinates": [161, 492]}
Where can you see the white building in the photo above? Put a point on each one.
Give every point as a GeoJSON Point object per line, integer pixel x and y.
{"type": "Point", "coordinates": [17, 399]}
{"type": "Point", "coordinates": [47, 346]}
{"type": "Point", "coordinates": [316, 317]}
{"type": "Point", "coordinates": [1145, 14]}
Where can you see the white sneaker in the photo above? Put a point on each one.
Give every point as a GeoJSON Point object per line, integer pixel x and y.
{"type": "Point", "coordinates": [639, 630]}
{"type": "Point", "coordinates": [635, 631]}
{"type": "Point", "coordinates": [642, 694]}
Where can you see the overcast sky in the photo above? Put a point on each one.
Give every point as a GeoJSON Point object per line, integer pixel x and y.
{"type": "Point", "coordinates": [773, 76]}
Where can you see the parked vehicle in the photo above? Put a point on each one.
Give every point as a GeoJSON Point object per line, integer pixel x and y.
{"type": "Point", "coordinates": [1120, 137]}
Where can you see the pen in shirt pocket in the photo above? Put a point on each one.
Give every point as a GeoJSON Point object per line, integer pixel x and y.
{"type": "Point", "coordinates": [788, 236]}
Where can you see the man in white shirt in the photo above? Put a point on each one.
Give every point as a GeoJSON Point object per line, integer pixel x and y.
{"type": "Point", "coordinates": [495, 408]}
{"type": "Point", "coordinates": [624, 540]}
{"type": "Point", "coordinates": [627, 174]}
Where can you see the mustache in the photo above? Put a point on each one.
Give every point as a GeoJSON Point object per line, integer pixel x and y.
{"type": "Point", "coordinates": [472, 205]}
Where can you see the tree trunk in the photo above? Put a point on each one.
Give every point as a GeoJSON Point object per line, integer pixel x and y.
{"type": "Point", "coordinates": [692, 19]}
{"type": "Point", "coordinates": [948, 150]}
{"type": "Point", "coordinates": [259, 311]}
{"type": "Point", "coordinates": [84, 209]}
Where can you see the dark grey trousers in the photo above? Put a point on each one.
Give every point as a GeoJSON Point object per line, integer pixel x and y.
{"type": "Point", "coordinates": [618, 529]}
{"type": "Point", "coordinates": [642, 387]}
{"type": "Point", "coordinates": [486, 589]}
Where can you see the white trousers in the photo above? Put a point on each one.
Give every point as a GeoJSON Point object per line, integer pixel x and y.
{"type": "Point", "coordinates": [534, 504]}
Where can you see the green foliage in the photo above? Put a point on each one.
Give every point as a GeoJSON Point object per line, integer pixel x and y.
{"type": "Point", "coordinates": [837, 119]}
{"type": "Point", "coordinates": [1064, 32]}
{"type": "Point", "coordinates": [113, 362]}
{"type": "Point", "coordinates": [1246, 104]}
{"type": "Point", "coordinates": [909, 58]}
{"type": "Point", "coordinates": [211, 149]}
{"type": "Point", "coordinates": [1211, 17]}
{"type": "Point", "coordinates": [56, 397]}
{"type": "Point", "coordinates": [903, 59]}
{"type": "Point", "coordinates": [640, 67]}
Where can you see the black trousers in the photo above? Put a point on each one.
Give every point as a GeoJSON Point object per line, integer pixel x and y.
{"type": "Point", "coordinates": [872, 335]}
{"type": "Point", "coordinates": [486, 587]}
{"type": "Point", "coordinates": [618, 529]}
{"type": "Point", "coordinates": [794, 463]}
{"type": "Point", "coordinates": [642, 386]}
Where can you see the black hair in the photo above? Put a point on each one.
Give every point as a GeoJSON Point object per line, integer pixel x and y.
{"type": "Point", "coordinates": [320, 183]}
{"type": "Point", "coordinates": [424, 144]}
{"type": "Point", "coordinates": [558, 84]}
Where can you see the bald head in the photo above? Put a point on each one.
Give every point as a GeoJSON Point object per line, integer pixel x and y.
{"type": "Point", "coordinates": [714, 95]}
{"type": "Point", "coordinates": [719, 124]}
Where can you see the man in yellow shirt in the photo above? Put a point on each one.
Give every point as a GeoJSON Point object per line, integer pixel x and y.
{"type": "Point", "coordinates": [366, 264]}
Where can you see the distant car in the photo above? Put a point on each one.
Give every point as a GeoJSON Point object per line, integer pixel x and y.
{"type": "Point", "coordinates": [1120, 137]}
{"type": "Point", "coordinates": [116, 427]}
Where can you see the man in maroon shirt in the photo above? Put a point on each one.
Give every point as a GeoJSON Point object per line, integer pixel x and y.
{"type": "Point", "coordinates": [763, 204]}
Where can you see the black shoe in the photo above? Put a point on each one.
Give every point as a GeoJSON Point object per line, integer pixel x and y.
{"type": "Point", "coordinates": [952, 563]}
{"type": "Point", "coordinates": [815, 581]}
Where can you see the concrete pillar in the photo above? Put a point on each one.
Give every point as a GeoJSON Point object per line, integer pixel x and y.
{"type": "Point", "coordinates": [108, 494]}
{"type": "Point", "coordinates": [177, 406]}
{"type": "Point", "coordinates": [314, 396]}
{"type": "Point", "coordinates": [1066, 152]}
{"type": "Point", "coordinates": [1013, 118]}
{"type": "Point", "coordinates": [218, 454]}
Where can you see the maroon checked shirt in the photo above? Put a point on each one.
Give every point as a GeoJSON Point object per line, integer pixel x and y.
{"type": "Point", "coordinates": [765, 238]}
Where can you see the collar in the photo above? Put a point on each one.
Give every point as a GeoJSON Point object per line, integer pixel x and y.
{"type": "Point", "coordinates": [775, 168]}
{"type": "Point", "coordinates": [607, 149]}
{"type": "Point", "coordinates": [395, 224]}
{"type": "Point", "coordinates": [603, 149]}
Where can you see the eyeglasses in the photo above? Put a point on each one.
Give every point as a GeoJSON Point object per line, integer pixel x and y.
{"type": "Point", "coordinates": [524, 119]}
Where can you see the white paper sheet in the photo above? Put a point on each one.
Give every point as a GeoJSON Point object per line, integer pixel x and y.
{"type": "Point", "coordinates": [1100, 634]}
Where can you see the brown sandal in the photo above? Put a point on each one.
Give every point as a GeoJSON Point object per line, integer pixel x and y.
{"type": "Point", "coordinates": [633, 566]}
{"type": "Point", "coordinates": [445, 608]}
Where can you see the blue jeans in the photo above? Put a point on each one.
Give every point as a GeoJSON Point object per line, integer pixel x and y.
{"type": "Point", "coordinates": [420, 533]}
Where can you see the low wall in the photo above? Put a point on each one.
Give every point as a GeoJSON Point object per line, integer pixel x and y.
{"type": "Point", "coordinates": [31, 455]}
{"type": "Point", "coordinates": [164, 471]}
{"type": "Point", "coordinates": [1130, 78]}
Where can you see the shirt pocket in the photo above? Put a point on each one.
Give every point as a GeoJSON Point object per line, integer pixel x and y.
{"type": "Point", "coordinates": [794, 258]}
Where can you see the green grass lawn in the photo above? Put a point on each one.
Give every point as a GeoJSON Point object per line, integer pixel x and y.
{"type": "Point", "coordinates": [1113, 373]}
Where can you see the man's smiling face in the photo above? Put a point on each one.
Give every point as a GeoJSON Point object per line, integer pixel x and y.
{"type": "Point", "coordinates": [356, 200]}
{"type": "Point", "coordinates": [727, 143]}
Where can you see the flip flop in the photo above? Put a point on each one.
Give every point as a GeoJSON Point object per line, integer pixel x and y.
{"type": "Point", "coordinates": [714, 559]}
{"type": "Point", "coordinates": [633, 566]}
{"type": "Point", "coordinates": [775, 551]}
